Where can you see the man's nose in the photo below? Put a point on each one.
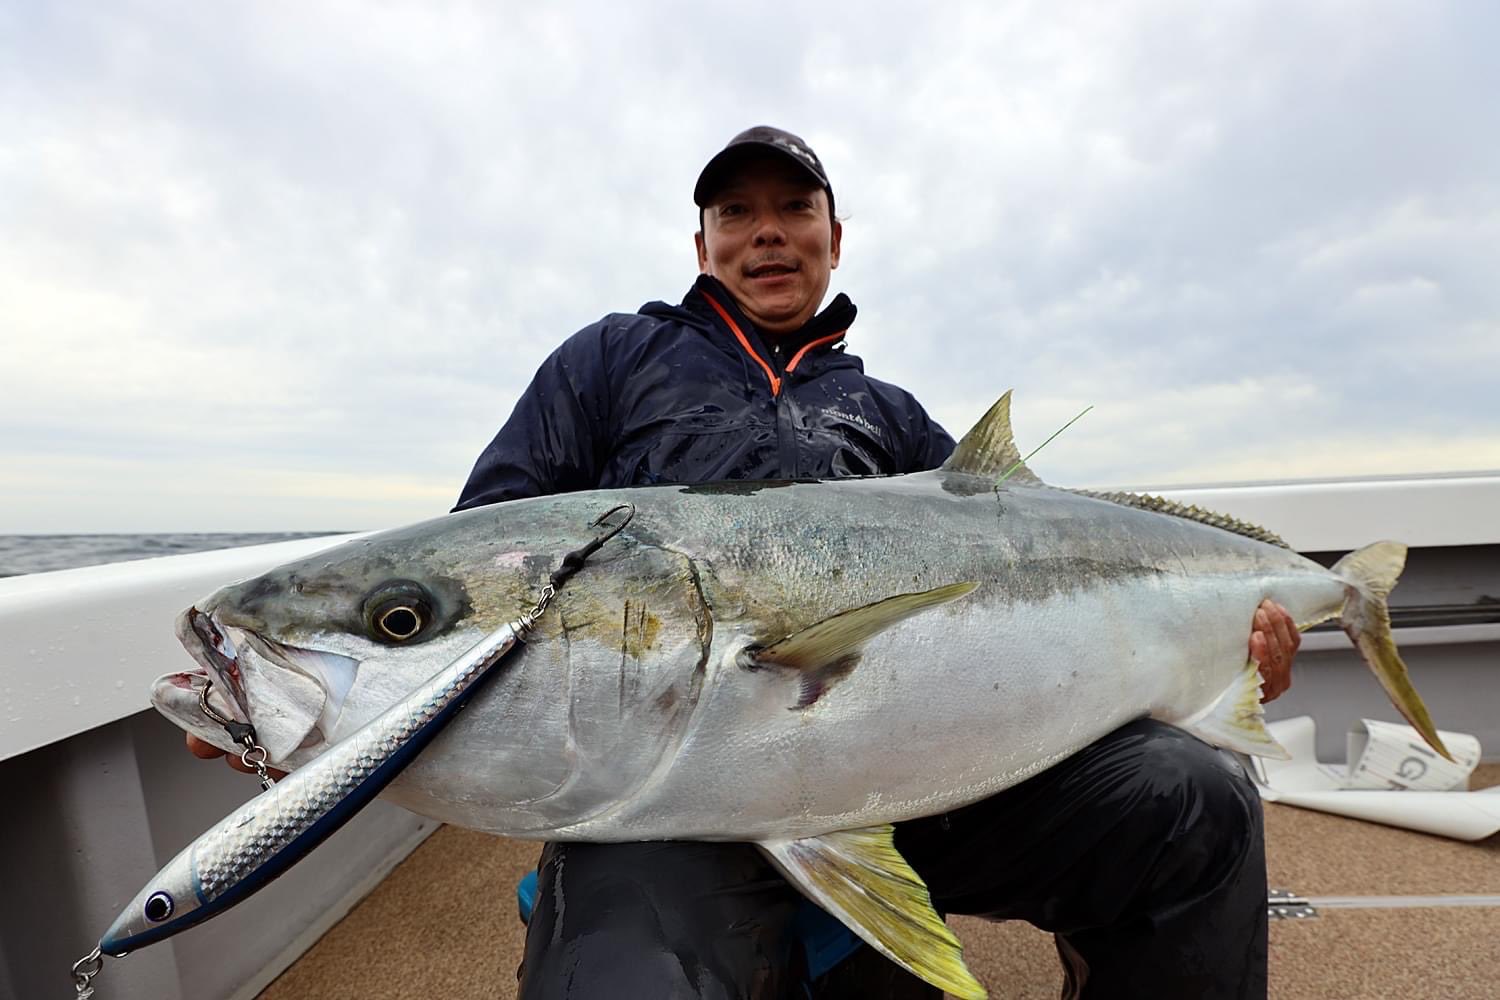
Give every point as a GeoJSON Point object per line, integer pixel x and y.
{"type": "Point", "coordinates": [768, 232]}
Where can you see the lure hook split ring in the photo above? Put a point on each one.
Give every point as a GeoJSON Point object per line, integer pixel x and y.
{"type": "Point", "coordinates": [254, 756]}
{"type": "Point", "coordinates": [85, 969]}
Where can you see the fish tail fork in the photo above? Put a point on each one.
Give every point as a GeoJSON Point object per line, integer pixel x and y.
{"type": "Point", "coordinates": [1369, 575]}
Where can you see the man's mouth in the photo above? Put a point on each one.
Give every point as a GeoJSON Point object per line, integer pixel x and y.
{"type": "Point", "coordinates": [771, 269]}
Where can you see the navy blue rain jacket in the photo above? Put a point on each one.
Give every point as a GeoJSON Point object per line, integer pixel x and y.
{"type": "Point", "coordinates": [694, 393]}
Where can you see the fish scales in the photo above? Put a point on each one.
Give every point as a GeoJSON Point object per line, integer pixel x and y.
{"type": "Point", "coordinates": [948, 685]}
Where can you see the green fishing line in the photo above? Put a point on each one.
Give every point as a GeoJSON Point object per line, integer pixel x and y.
{"type": "Point", "coordinates": [1022, 461]}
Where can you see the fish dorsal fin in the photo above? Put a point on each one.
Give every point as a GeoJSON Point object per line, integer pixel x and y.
{"type": "Point", "coordinates": [825, 652]}
{"type": "Point", "coordinates": [989, 449]}
{"type": "Point", "coordinates": [1161, 505]}
{"type": "Point", "coordinates": [860, 878]}
{"type": "Point", "coordinates": [1238, 720]}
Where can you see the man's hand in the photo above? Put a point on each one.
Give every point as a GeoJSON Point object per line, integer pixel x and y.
{"type": "Point", "coordinates": [1273, 642]}
{"type": "Point", "coordinates": [207, 751]}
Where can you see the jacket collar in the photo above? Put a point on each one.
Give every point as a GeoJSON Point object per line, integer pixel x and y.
{"type": "Point", "coordinates": [835, 318]}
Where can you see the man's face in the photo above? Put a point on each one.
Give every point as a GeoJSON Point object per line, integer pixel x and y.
{"type": "Point", "coordinates": [768, 237]}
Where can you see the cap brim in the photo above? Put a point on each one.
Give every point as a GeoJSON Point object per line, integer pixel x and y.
{"type": "Point", "coordinates": [715, 173]}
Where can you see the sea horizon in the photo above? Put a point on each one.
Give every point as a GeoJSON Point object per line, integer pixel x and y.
{"type": "Point", "coordinates": [22, 553]}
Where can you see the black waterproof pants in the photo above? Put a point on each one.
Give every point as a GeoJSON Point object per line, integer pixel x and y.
{"type": "Point", "coordinates": [1143, 854]}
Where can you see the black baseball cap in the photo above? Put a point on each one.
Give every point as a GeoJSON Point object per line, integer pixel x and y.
{"type": "Point", "coordinates": [760, 138]}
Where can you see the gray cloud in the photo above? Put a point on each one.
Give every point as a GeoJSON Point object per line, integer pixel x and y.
{"type": "Point", "coordinates": [255, 247]}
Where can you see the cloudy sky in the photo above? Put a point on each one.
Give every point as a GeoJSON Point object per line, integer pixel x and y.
{"type": "Point", "coordinates": [288, 265]}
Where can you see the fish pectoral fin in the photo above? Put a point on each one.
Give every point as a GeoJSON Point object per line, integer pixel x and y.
{"type": "Point", "coordinates": [860, 878]}
{"type": "Point", "coordinates": [1237, 720]}
{"type": "Point", "coordinates": [824, 653]}
{"type": "Point", "coordinates": [989, 449]}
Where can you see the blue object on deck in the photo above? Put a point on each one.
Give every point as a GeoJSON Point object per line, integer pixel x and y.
{"type": "Point", "coordinates": [526, 896]}
{"type": "Point", "coordinates": [825, 940]}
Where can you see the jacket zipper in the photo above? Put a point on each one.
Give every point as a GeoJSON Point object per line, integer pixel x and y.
{"type": "Point", "coordinates": [786, 442]}
{"type": "Point", "coordinates": [739, 335]}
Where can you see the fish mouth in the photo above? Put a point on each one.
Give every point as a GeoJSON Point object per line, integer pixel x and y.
{"type": "Point", "coordinates": [215, 652]}
{"type": "Point", "coordinates": [292, 695]}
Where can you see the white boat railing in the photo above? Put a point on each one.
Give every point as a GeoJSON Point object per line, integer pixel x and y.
{"type": "Point", "coordinates": [79, 648]}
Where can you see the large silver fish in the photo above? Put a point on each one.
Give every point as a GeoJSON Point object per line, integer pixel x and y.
{"type": "Point", "coordinates": [793, 664]}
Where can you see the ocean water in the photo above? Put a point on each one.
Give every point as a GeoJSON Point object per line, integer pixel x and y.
{"type": "Point", "coordinates": [21, 554]}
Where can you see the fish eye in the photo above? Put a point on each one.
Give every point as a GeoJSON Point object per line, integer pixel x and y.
{"type": "Point", "coordinates": [398, 612]}
{"type": "Point", "coordinates": [158, 907]}
{"type": "Point", "coordinates": [400, 622]}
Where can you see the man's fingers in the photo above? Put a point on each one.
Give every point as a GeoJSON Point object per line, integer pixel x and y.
{"type": "Point", "coordinates": [207, 751]}
{"type": "Point", "coordinates": [1274, 641]}
{"type": "Point", "coordinates": [202, 748]}
{"type": "Point", "coordinates": [1270, 682]}
{"type": "Point", "coordinates": [1287, 633]}
{"type": "Point", "coordinates": [234, 761]}
{"type": "Point", "coordinates": [1262, 629]}
{"type": "Point", "coordinates": [1271, 646]}
{"type": "Point", "coordinates": [1287, 636]}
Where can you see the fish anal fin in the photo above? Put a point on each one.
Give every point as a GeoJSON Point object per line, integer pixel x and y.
{"type": "Point", "coordinates": [826, 652]}
{"type": "Point", "coordinates": [860, 878]}
{"type": "Point", "coordinates": [1237, 720]}
{"type": "Point", "coordinates": [989, 449]}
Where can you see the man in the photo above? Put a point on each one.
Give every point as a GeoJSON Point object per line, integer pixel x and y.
{"type": "Point", "coordinates": [1142, 853]}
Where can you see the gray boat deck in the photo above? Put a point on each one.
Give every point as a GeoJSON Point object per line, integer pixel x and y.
{"type": "Point", "coordinates": [444, 923]}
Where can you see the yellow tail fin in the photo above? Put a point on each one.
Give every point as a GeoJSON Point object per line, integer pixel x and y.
{"type": "Point", "coordinates": [1370, 573]}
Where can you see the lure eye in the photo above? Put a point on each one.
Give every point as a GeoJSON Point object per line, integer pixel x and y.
{"type": "Point", "coordinates": [398, 612]}
{"type": "Point", "coordinates": [158, 907]}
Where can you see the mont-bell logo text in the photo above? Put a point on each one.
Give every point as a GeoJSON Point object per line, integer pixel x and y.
{"type": "Point", "coordinates": [855, 418]}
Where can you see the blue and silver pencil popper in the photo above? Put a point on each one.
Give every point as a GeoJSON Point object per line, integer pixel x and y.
{"type": "Point", "coordinates": [266, 836]}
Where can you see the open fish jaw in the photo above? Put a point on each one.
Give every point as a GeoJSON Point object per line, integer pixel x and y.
{"type": "Point", "coordinates": [292, 695]}
{"type": "Point", "coordinates": [216, 654]}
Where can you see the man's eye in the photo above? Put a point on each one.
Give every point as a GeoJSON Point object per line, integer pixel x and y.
{"type": "Point", "coordinates": [799, 205]}
{"type": "Point", "coordinates": [730, 209]}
